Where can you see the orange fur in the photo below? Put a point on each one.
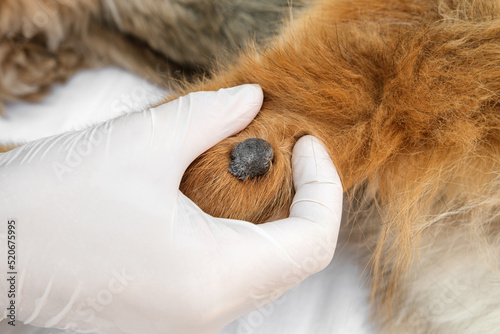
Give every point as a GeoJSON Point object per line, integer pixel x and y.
{"type": "Point", "coordinates": [405, 96]}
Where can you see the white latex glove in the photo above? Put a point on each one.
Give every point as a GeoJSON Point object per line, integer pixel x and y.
{"type": "Point", "coordinates": [106, 242]}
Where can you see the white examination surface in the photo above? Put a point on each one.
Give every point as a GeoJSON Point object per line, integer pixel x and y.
{"type": "Point", "coordinates": [332, 301]}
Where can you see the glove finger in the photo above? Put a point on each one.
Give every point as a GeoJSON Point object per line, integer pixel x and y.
{"type": "Point", "coordinates": [309, 235]}
{"type": "Point", "coordinates": [198, 121]}
{"type": "Point", "coordinates": [317, 184]}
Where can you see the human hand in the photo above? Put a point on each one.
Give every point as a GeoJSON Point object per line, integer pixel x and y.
{"type": "Point", "coordinates": [106, 242]}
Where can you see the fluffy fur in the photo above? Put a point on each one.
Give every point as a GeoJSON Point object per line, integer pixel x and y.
{"type": "Point", "coordinates": [405, 95]}
{"type": "Point", "coordinates": [47, 41]}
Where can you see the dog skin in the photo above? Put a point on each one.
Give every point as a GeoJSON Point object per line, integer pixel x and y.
{"type": "Point", "coordinates": [405, 95]}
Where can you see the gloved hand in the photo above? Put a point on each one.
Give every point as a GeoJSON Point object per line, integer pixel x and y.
{"type": "Point", "coordinates": [106, 242]}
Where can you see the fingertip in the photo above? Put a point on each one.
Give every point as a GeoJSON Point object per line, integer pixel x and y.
{"type": "Point", "coordinates": [319, 191]}
{"type": "Point", "coordinates": [228, 110]}
{"type": "Point", "coordinates": [207, 117]}
{"type": "Point", "coordinates": [249, 93]}
{"type": "Point", "coordinates": [310, 146]}
{"type": "Point", "coordinates": [312, 163]}
{"type": "Point", "coordinates": [249, 99]}
{"type": "Point", "coordinates": [235, 109]}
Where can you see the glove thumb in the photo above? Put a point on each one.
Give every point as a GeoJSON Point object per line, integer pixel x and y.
{"type": "Point", "coordinates": [205, 118]}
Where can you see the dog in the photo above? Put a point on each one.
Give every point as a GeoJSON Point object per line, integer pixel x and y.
{"type": "Point", "coordinates": [405, 94]}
